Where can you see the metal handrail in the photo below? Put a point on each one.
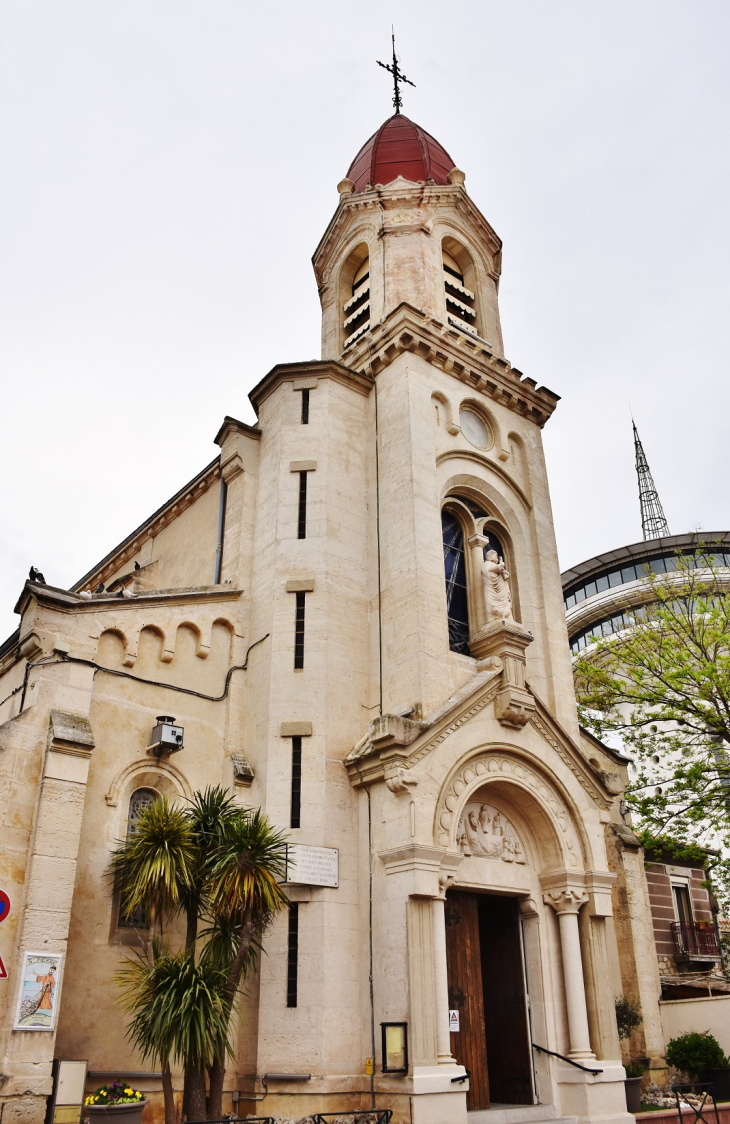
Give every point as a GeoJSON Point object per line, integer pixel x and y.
{"type": "Point", "coordinates": [692, 938]}
{"type": "Point", "coordinates": [235, 1119]}
{"type": "Point", "coordinates": [709, 1092]}
{"type": "Point", "coordinates": [563, 1058]}
{"type": "Point", "coordinates": [382, 1115]}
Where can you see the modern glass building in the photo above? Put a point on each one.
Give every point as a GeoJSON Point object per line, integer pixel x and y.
{"type": "Point", "coordinates": [601, 592]}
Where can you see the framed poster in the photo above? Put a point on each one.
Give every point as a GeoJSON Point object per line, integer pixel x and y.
{"type": "Point", "coordinates": [40, 989]}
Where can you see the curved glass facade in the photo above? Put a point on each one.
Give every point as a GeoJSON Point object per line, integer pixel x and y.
{"type": "Point", "coordinates": [631, 571]}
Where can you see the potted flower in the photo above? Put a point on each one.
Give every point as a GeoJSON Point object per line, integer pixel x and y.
{"type": "Point", "coordinates": [117, 1102]}
{"type": "Point", "coordinates": [701, 1058]}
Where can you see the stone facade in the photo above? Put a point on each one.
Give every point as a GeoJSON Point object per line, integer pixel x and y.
{"type": "Point", "coordinates": [402, 738]}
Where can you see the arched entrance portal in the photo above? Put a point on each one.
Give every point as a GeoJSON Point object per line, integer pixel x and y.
{"type": "Point", "coordinates": [514, 830]}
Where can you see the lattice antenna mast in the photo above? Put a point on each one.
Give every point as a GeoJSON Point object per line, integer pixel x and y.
{"type": "Point", "coordinates": [653, 520]}
{"type": "Point", "coordinates": [398, 76]}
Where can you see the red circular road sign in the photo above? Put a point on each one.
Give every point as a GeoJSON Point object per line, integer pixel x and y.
{"type": "Point", "coordinates": [4, 905]}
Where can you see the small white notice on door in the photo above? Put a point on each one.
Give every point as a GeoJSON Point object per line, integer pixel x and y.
{"type": "Point", "coordinates": [454, 1022]}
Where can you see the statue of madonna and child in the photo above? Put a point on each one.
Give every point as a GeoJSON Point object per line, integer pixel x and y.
{"type": "Point", "coordinates": [497, 592]}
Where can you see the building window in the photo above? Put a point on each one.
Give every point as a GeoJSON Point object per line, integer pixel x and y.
{"type": "Point", "coordinates": [305, 407]}
{"type": "Point", "coordinates": [461, 569]}
{"type": "Point", "coordinates": [292, 955]}
{"type": "Point", "coordinates": [356, 310]}
{"type": "Point", "coordinates": [299, 632]}
{"type": "Point", "coordinates": [457, 609]}
{"type": "Point", "coordinates": [302, 519]}
{"type": "Point", "coordinates": [460, 301]}
{"type": "Point", "coordinates": [140, 799]}
{"type": "Point", "coordinates": [682, 903]}
{"type": "Point", "coordinates": [296, 782]}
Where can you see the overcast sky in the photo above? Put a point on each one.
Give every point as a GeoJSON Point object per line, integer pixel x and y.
{"type": "Point", "coordinates": [169, 167]}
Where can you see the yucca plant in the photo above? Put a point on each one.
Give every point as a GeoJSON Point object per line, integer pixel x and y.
{"type": "Point", "coordinates": [178, 1015]}
{"type": "Point", "coordinates": [220, 866]}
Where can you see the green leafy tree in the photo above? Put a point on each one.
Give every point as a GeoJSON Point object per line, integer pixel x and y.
{"type": "Point", "coordinates": [219, 866]}
{"type": "Point", "coordinates": [663, 687]}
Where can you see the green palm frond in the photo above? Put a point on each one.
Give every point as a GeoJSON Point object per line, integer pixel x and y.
{"type": "Point", "coordinates": [180, 1009]}
{"type": "Point", "coordinates": [248, 866]}
{"type": "Point", "coordinates": [155, 864]}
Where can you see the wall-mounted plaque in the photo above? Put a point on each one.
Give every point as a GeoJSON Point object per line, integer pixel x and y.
{"type": "Point", "coordinates": [312, 866]}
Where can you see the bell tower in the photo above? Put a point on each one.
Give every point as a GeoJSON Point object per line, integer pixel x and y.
{"type": "Point", "coordinates": [406, 232]}
{"type": "Point", "coordinates": [408, 273]}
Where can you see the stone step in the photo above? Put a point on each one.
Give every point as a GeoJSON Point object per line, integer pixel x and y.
{"type": "Point", "coordinates": [519, 1114]}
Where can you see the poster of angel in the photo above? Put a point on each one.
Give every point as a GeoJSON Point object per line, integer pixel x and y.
{"type": "Point", "coordinates": [40, 989]}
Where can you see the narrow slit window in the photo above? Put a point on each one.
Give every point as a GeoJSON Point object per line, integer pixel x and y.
{"type": "Point", "coordinates": [305, 407]}
{"type": "Point", "coordinates": [296, 782]}
{"type": "Point", "coordinates": [292, 955]}
{"type": "Point", "coordinates": [299, 632]}
{"type": "Point", "coordinates": [302, 521]}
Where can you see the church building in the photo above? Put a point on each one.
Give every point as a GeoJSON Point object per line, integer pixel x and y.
{"type": "Point", "coordinates": [352, 618]}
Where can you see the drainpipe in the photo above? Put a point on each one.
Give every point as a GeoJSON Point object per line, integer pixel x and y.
{"type": "Point", "coordinates": [221, 532]}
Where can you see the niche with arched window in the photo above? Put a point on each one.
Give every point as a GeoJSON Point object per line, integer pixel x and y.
{"type": "Point", "coordinates": [467, 537]}
{"type": "Point", "coordinates": [356, 296]}
{"type": "Point", "coordinates": [460, 285]}
{"type": "Point", "coordinates": [140, 799]}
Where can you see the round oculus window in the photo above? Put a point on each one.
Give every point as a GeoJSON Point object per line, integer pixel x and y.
{"type": "Point", "coordinates": [474, 429]}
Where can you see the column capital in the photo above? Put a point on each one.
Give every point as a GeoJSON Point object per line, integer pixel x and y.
{"type": "Point", "coordinates": [565, 890]}
{"type": "Point", "coordinates": [568, 900]}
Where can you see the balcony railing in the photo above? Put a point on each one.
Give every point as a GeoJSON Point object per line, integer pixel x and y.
{"type": "Point", "coordinates": [695, 938]}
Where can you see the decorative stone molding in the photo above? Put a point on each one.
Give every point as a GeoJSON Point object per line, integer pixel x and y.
{"type": "Point", "coordinates": [160, 766]}
{"type": "Point", "coordinates": [243, 773]}
{"type": "Point", "coordinates": [399, 780]}
{"type": "Point", "coordinates": [489, 766]}
{"type": "Point", "coordinates": [232, 468]}
{"type": "Point", "coordinates": [506, 641]}
{"type": "Point", "coordinates": [296, 729]}
{"type": "Point", "coordinates": [300, 585]}
{"type": "Point", "coordinates": [569, 759]}
{"type": "Point", "coordinates": [467, 359]}
{"type": "Point", "coordinates": [568, 900]}
{"type": "Point", "coordinates": [429, 870]}
{"type": "Point", "coordinates": [459, 721]}
{"type": "Point", "coordinates": [71, 733]}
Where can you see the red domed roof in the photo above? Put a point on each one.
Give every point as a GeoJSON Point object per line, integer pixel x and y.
{"type": "Point", "coordinates": [399, 148]}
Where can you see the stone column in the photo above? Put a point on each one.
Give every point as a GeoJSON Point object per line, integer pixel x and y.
{"type": "Point", "coordinates": [443, 1037]}
{"type": "Point", "coordinates": [566, 904]}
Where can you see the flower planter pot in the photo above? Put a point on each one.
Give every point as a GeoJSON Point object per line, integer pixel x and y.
{"type": "Point", "coordinates": [633, 1093]}
{"type": "Point", "coordinates": [720, 1078]}
{"type": "Point", "coordinates": [114, 1113]}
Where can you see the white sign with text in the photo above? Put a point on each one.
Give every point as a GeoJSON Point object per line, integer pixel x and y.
{"type": "Point", "coordinates": [312, 866]}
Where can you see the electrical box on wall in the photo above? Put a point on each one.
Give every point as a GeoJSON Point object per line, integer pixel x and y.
{"type": "Point", "coordinates": [166, 736]}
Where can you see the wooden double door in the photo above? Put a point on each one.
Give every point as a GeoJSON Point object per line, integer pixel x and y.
{"type": "Point", "coordinates": [487, 987]}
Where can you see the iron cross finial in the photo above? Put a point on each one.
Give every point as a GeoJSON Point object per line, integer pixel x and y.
{"type": "Point", "coordinates": [398, 76]}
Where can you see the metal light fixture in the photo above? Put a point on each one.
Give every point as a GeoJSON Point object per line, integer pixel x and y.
{"type": "Point", "coordinates": [166, 736]}
{"type": "Point", "coordinates": [395, 1047]}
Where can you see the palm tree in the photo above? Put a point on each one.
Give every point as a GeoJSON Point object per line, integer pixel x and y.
{"type": "Point", "coordinates": [245, 896]}
{"type": "Point", "coordinates": [220, 865]}
{"type": "Point", "coordinates": [179, 1014]}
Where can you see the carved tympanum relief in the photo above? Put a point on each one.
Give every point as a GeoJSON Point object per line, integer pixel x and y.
{"type": "Point", "coordinates": [486, 832]}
